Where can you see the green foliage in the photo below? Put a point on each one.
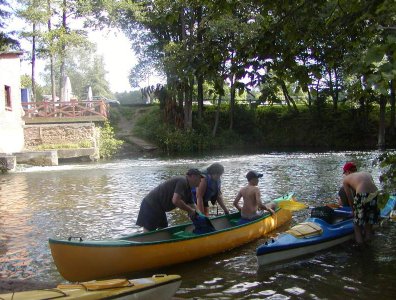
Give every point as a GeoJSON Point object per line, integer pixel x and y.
{"type": "Point", "coordinates": [84, 69]}
{"type": "Point", "coordinates": [81, 144]}
{"type": "Point", "coordinates": [26, 82]}
{"type": "Point", "coordinates": [7, 41]}
{"type": "Point", "coordinates": [114, 117]}
{"type": "Point", "coordinates": [387, 161]}
{"type": "Point", "coordinates": [128, 98]}
{"type": "Point", "coordinates": [108, 144]}
{"type": "Point", "coordinates": [265, 127]}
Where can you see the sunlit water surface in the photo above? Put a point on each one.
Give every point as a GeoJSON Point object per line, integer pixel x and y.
{"type": "Point", "coordinates": [101, 201]}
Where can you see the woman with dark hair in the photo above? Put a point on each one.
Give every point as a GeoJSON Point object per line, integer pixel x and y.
{"type": "Point", "coordinates": [209, 189]}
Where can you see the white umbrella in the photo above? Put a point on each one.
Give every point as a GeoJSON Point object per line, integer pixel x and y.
{"type": "Point", "coordinates": [89, 96]}
{"type": "Point", "coordinates": [67, 89]}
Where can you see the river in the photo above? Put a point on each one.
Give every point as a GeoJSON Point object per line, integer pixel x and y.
{"type": "Point", "coordinates": [101, 201]}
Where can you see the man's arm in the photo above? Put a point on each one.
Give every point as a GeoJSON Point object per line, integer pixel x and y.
{"type": "Point", "coordinates": [179, 203]}
{"type": "Point", "coordinates": [201, 189]}
{"type": "Point", "coordinates": [221, 203]}
{"type": "Point", "coordinates": [236, 201]}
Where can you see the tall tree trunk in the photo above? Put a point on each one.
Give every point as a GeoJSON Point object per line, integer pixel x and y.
{"type": "Point", "coordinates": [289, 100]}
{"type": "Point", "coordinates": [217, 116]}
{"type": "Point", "coordinates": [382, 124]}
{"type": "Point", "coordinates": [188, 106]}
{"type": "Point", "coordinates": [309, 97]}
{"type": "Point", "coordinates": [285, 94]}
{"type": "Point", "coordinates": [333, 87]}
{"type": "Point", "coordinates": [63, 54]}
{"type": "Point", "coordinates": [34, 64]}
{"type": "Point", "coordinates": [52, 71]}
{"type": "Point", "coordinates": [200, 79]}
{"type": "Point", "coordinates": [336, 94]}
{"type": "Point", "coordinates": [232, 101]}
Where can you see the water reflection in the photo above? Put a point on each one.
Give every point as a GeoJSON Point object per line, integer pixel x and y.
{"type": "Point", "coordinates": [101, 201]}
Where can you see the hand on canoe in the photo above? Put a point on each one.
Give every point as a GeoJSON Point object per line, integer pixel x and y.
{"type": "Point", "coordinates": [196, 214]}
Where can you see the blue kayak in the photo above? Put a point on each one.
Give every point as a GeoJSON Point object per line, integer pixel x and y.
{"type": "Point", "coordinates": [312, 235]}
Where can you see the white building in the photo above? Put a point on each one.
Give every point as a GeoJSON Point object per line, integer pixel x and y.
{"type": "Point", "coordinates": [11, 112]}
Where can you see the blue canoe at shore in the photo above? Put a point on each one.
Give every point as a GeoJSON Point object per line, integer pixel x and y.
{"type": "Point", "coordinates": [312, 235]}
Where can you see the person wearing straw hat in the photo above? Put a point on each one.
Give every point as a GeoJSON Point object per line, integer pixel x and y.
{"type": "Point", "coordinates": [252, 207]}
{"type": "Point", "coordinates": [364, 203]}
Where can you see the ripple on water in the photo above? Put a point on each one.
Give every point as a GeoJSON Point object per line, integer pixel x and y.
{"type": "Point", "coordinates": [101, 201]}
{"type": "Point", "coordinates": [242, 287]}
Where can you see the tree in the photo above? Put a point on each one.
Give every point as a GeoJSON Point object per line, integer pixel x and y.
{"type": "Point", "coordinates": [7, 42]}
{"type": "Point", "coordinates": [51, 34]}
{"type": "Point", "coordinates": [84, 69]}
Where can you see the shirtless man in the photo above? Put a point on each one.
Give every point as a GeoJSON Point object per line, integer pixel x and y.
{"type": "Point", "coordinates": [364, 204]}
{"type": "Point", "coordinates": [252, 207]}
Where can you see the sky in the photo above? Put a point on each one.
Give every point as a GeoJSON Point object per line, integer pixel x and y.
{"type": "Point", "coordinates": [112, 44]}
{"type": "Point", "coordinates": [118, 56]}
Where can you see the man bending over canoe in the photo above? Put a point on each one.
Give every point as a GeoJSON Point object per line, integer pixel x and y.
{"type": "Point", "coordinates": [364, 203]}
{"type": "Point", "coordinates": [252, 207]}
{"type": "Point", "coordinates": [174, 192]}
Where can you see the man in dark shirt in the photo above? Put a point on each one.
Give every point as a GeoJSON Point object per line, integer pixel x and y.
{"type": "Point", "coordinates": [174, 192]}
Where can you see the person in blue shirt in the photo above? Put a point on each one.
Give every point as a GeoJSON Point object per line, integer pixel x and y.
{"type": "Point", "coordinates": [209, 189]}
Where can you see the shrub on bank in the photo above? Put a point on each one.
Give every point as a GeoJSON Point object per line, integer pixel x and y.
{"type": "Point", "coordinates": [108, 144]}
{"type": "Point", "coordinates": [264, 127]}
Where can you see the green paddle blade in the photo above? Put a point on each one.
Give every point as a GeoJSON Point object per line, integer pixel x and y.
{"type": "Point", "coordinates": [292, 205]}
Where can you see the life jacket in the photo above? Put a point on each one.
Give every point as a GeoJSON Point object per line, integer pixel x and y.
{"type": "Point", "coordinates": [212, 190]}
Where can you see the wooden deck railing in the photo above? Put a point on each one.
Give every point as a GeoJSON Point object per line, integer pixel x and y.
{"type": "Point", "coordinates": [73, 111]}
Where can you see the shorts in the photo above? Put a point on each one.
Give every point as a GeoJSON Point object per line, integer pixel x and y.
{"type": "Point", "coordinates": [255, 216]}
{"type": "Point", "coordinates": [151, 218]}
{"type": "Point", "coordinates": [365, 211]}
{"type": "Point", "coordinates": [205, 202]}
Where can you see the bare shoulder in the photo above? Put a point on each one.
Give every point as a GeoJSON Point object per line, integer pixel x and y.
{"type": "Point", "coordinates": [357, 177]}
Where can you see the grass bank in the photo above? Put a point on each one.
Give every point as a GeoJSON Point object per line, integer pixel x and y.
{"type": "Point", "coordinates": [263, 128]}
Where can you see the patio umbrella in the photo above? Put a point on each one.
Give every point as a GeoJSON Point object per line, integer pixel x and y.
{"type": "Point", "coordinates": [89, 96]}
{"type": "Point", "coordinates": [67, 90]}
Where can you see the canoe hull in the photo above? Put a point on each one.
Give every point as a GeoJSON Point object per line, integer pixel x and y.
{"type": "Point", "coordinates": [287, 246]}
{"type": "Point", "coordinates": [156, 287]}
{"type": "Point", "coordinates": [81, 261]}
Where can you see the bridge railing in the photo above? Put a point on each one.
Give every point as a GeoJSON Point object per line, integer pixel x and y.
{"type": "Point", "coordinates": [65, 110]}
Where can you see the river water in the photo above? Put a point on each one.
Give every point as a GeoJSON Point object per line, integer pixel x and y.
{"type": "Point", "coordinates": [101, 201]}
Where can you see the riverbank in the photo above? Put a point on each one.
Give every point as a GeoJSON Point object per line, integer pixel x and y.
{"type": "Point", "coordinates": [262, 128]}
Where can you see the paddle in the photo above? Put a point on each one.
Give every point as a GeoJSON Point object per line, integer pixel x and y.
{"type": "Point", "coordinates": [292, 205]}
{"type": "Point", "coordinates": [296, 206]}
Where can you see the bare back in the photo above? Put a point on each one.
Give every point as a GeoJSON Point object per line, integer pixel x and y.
{"type": "Point", "coordinates": [251, 200]}
{"type": "Point", "coordinates": [361, 182]}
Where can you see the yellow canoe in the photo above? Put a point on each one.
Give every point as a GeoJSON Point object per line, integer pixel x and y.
{"type": "Point", "coordinates": [78, 260]}
{"type": "Point", "coordinates": [155, 287]}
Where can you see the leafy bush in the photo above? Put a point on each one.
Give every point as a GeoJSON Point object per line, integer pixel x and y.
{"type": "Point", "coordinates": [387, 162]}
{"type": "Point", "coordinates": [108, 144]}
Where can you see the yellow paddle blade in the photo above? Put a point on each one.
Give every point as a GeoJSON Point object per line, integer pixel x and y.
{"type": "Point", "coordinates": [292, 205]}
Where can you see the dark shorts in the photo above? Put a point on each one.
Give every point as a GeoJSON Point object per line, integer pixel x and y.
{"type": "Point", "coordinates": [151, 218]}
{"type": "Point", "coordinates": [365, 212]}
{"type": "Point", "coordinates": [205, 202]}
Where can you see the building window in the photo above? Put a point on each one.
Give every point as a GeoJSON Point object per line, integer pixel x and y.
{"type": "Point", "coordinates": [7, 93]}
